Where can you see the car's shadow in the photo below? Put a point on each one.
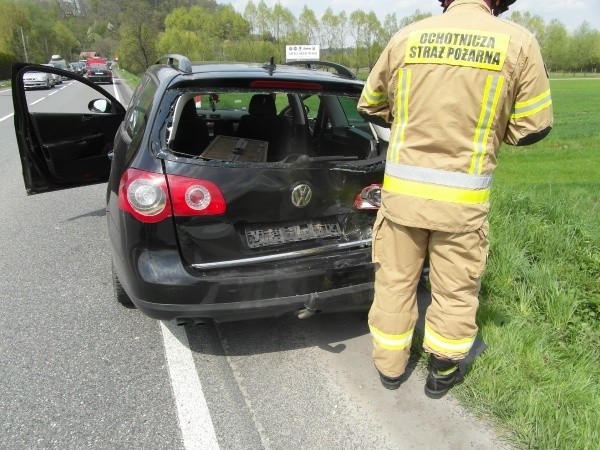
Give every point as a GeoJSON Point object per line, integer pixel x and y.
{"type": "Point", "coordinates": [326, 331]}
{"type": "Point", "coordinates": [97, 213]}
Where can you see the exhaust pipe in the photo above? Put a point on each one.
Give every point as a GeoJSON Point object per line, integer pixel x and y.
{"type": "Point", "coordinates": [182, 321]}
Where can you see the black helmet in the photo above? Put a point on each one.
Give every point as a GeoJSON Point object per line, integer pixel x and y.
{"type": "Point", "coordinates": [497, 10]}
{"type": "Point", "coordinates": [502, 6]}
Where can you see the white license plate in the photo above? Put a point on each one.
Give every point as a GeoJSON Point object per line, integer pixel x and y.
{"type": "Point", "coordinates": [263, 235]}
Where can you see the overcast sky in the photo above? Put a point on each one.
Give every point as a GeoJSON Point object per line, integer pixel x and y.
{"type": "Point", "coordinates": [570, 13]}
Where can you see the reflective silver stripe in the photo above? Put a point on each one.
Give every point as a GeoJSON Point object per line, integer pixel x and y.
{"type": "Point", "coordinates": [437, 176]}
{"type": "Point", "coordinates": [281, 256]}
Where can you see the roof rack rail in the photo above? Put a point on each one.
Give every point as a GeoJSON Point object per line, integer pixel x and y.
{"type": "Point", "coordinates": [183, 63]}
{"type": "Point", "coordinates": [341, 70]}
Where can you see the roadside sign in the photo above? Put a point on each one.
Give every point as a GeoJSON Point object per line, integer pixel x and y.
{"type": "Point", "coordinates": [302, 52]}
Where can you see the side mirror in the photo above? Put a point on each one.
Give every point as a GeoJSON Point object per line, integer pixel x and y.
{"type": "Point", "coordinates": [99, 105]}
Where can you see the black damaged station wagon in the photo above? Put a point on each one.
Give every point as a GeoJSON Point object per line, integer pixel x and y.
{"type": "Point", "coordinates": [235, 191]}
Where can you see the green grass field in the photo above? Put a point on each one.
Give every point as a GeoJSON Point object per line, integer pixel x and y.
{"type": "Point", "coordinates": [541, 292]}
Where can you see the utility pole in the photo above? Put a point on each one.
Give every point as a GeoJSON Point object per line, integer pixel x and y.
{"type": "Point", "coordinates": [24, 47]}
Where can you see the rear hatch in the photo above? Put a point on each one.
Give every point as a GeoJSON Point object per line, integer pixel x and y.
{"type": "Point", "coordinates": [287, 212]}
{"type": "Point", "coordinates": [280, 199]}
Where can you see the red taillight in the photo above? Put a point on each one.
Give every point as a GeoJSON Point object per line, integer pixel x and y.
{"type": "Point", "coordinates": [369, 197]}
{"type": "Point", "coordinates": [145, 195]}
{"type": "Point", "coordinates": [192, 197]}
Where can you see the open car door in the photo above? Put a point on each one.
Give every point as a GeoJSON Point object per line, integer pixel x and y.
{"type": "Point", "coordinates": [65, 134]}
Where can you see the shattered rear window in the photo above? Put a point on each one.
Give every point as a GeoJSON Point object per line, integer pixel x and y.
{"type": "Point", "coordinates": [252, 126]}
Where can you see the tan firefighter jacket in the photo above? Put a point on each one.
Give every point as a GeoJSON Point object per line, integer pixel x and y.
{"type": "Point", "coordinates": [454, 87]}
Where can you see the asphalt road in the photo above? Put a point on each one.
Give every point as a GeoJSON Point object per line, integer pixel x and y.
{"type": "Point", "coordinates": [77, 370]}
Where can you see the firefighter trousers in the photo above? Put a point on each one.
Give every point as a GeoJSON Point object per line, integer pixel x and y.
{"type": "Point", "coordinates": [456, 261]}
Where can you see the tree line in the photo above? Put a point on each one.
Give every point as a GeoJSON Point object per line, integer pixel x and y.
{"type": "Point", "coordinates": [137, 32]}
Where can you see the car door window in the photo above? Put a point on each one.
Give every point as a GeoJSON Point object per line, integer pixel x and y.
{"type": "Point", "coordinates": [136, 119]}
{"type": "Point", "coordinates": [42, 97]}
{"type": "Point", "coordinates": [138, 113]}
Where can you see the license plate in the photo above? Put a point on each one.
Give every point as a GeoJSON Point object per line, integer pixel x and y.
{"type": "Point", "coordinates": [265, 235]}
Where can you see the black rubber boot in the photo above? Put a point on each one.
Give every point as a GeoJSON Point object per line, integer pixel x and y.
{"type": "Point", "coordinates": [390, 382]}
{"type": "Point", "coordinates": [443, 374]}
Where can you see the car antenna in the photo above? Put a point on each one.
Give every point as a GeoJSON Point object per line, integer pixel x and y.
{"type": "Point", "coordinates": [270, 66]}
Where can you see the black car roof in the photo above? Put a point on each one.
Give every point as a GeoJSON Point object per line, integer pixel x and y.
{"type": "Point", "coordinates": [299, 71]}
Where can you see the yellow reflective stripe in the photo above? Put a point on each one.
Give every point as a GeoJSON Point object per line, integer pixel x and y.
{"type": "Point", "coordinates": [391, 341]}
{"type": "Point", "coordinates": [372, 97]}
{"type": "Point", "coordinates": [489, 104]}
{"type": "Point", "coordinates": [530, 107]}
{"type": "Point", "coordinates": [444, 345]}
{"type": "Point", "coordinates": [435, 192]}
{"type": "Point", "coordinates": [401, 116]}
{"type": "Point", "coordinates": [447, 372]}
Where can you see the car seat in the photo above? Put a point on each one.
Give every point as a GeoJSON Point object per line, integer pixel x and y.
{"type": "Point", "coordinates": [263, 123]}
{"type": "Point", "coordinates": [191, 136]}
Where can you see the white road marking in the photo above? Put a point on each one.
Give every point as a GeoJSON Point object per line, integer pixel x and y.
{"type": "Point", "coordinates": [195, 422]}
{"type": "Point", "coordinates": [2, 119]}
{"type": "Point", "coordinates": [37, 101]}
{"type": "Point", "coordinates": [116, 89]}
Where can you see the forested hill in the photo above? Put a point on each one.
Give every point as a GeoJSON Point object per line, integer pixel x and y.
{"type": "Point", "coordinates": [137, 32]}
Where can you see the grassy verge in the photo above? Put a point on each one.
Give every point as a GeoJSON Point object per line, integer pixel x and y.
{"type": "Point", "coordinates": [4, 84]}
{"type": "Point", "coordinates": [540, 296]}
{"type": "Point", "coordinates": [129, 78]}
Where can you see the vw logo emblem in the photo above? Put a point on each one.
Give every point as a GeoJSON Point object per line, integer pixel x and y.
{"type": "Point", "coordinates": [301, 195]}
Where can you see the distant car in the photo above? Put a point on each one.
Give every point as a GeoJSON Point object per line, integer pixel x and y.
{"type": "Point", "coordinates": [38, 80]}
{"type": "Point", "coordinates": [99, 73]}
{"type": "Point", "coordinates": [59, 64]}
{"type": "Point", "coordinates": [77, 67]}
{"type": "Point", "coordinates": [235, 190]}
{"type": "Point", "coordinates": [57, 78]}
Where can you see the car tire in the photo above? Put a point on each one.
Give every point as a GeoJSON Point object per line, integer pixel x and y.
{"type": "Point", "coordinates": [120, 294]}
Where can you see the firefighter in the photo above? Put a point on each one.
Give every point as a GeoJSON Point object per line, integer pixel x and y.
{"type": "Point", "coordinates": [452, 87]}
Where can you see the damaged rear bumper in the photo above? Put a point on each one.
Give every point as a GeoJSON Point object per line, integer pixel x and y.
{"type": "Point", "coordinates": [349, 298]}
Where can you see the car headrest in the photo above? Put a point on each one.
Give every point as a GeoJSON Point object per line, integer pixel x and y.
{"type": "Point", "coordinates": [189, 110]}
{"type": "Point", "coordinates": [262, 105]}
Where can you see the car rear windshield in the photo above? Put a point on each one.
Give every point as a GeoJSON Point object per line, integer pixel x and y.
{"type": "Point", "coordinates": [269, 127]}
